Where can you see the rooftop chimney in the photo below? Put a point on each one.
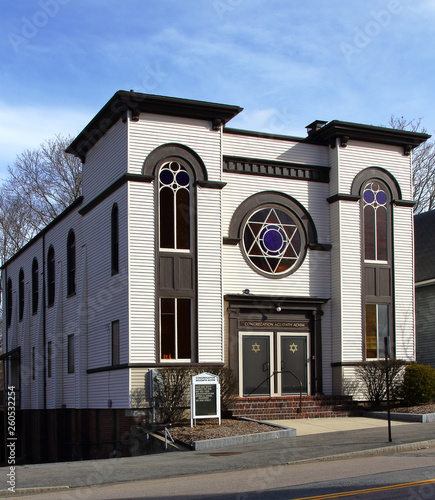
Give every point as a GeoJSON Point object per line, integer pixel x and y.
{"type": "Point", "coordinates": [312, 128]}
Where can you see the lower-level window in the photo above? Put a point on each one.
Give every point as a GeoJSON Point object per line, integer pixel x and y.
{"type": "Point", "coordinates": [71, 353]}
{"type": "Point", "coordinates": [377, 327]}
{"type": "Point", "coordinates": [175, 328]}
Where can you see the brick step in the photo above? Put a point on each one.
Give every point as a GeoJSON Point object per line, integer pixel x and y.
{"type": "Point", "coordinates": [270, 408]}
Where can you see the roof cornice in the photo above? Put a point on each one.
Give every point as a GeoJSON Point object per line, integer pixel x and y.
{"type": "Point", "coordinates": [346, 131]}
{"type": "Point", "coordinates": [123, 102]}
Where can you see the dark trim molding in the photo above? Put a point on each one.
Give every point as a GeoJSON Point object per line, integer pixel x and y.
{"type": "Point", "coordinates": [211, 184]}
{"type": "Point", "coordinates": [124, 102]}
{"type": "Point", "coordinates": [270, 168]}
{"type": "Point", "coordinates": [345, 131]}
{"type": "Point", "coordinates": [49, 226]}
{"type": "Point", "coordinates": [404, 203]}
{"type": "Point", "coordinates": [177, 152]}
{"type": "Point", "coordinates": [346, 363]}
{"type": "Point", "coordinates": [114, 187]}
{"type": "Point", "coordinates": [376, 173]}
{"type": "Point", "coordinates": [230, 241]}
{"type": "Point", "coordinates": [10, 353]}
{"type": "Point", "coordinates": [342, 197]}
{"type": "Point", "coordinates": [275, 198]}
{"type": "Point", "coordinates": [266, 135]}
{"type": "Point", "coordinates": [149, 365]}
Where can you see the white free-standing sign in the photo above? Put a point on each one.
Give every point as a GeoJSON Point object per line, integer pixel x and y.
{"type": "Point", "coordinates": [205, 397]}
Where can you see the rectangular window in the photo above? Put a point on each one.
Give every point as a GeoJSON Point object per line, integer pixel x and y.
{"type": "Point", "coordinates": [33, 363]}
{"type": "Point", "coordinates": [115, 342]}
{"type": "Point", "coordinates": [175, 328]}
{"type": "Point", "coordinates": [71, 353]}
{"type": "Point", "coordinates": [49, 359]}
{"type": "Point", "coordinates": [377, 327]}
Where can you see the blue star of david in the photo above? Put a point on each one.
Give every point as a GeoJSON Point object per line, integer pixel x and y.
{"type": "Point", "coordinates": [272, 239]}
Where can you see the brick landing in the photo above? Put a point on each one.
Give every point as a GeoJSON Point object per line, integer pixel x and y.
{"type": "Point", "coordinates": [287, 407]}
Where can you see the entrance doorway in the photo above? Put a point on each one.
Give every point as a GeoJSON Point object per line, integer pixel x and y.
{"type": "Point", "coordinates": [274, 363]}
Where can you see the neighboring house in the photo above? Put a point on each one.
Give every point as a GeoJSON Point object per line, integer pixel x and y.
{"type": "Point", "coordinates": [424, 230]}
{"type": "Point", "coordinates": [198, 244]}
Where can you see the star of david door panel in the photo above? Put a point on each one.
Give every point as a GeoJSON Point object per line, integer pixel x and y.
{"type": "Point", "coordinates": [294, 359]}
{"type": "Point", "coordinates": [256, 365]}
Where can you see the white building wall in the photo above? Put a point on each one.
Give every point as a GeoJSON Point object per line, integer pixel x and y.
{"type": "Point", "coordinates": [106, 161]}
{"type": "Point", "coordinates": [142, 273]}
{"type": "Point", "coordinates": [109, 386]}
{"type": "Point", "coordinates": [210, 314]}
{"type": "Point", "coordinates": [360, 155]}
{"type": "Point", "coordinates": [151, 131]}
{"type": "Point", "coordinates": [274, 149]}
{"type": "Point", "coordinates": [403, 226]}
{"type": "Point", "coordinates": [312, 278]}
{"type": "Point", "coordinates": [107, 295]}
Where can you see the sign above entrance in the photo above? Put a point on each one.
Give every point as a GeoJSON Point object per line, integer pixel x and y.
{"type": "Point", "coordinates": [276, 324]}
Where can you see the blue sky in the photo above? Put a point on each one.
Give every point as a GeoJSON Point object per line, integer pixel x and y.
{"type": "Point", "coordinates": [286, 62]}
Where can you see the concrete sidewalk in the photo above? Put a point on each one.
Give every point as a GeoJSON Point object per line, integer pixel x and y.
{"type": "Point", "coordinates": [334, 439]}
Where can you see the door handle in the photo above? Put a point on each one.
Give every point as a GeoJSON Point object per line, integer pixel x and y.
{"type": "Point", "coordinates": [282, 365]}
{"type": "Point", "coordinates": [266, 366]}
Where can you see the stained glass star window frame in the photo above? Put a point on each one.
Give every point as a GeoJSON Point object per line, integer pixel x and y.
{"type": "Point", "coordinates": [273, 241]}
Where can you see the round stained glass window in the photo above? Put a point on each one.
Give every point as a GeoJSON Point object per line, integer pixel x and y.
{"type": "Point", "coordinates": [272, 241]}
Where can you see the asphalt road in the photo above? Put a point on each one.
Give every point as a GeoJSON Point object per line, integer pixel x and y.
{"type": "Point", "coordinates": [373, 477]}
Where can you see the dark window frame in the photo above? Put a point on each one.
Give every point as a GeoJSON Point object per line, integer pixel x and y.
{"type": "Point", "coordinates": [9, 301]}
{"type": "Point", "coordinates": [71, 353]}
{"type": "Point", "coordinates": [115, 343]}
{"type": "Point", "coordinates": [33, 363]}
{"type": "Point", "coordinates": [49, 358]}
{"type": "Point", "coordinates": [51, 276]}
{"type": "Point", "coordinates": [21, 294]}
{"type": "Point", "coordinates": [35, 286]}
{"type": "Point", "coordinates": [71, 264]}
{"type": "Point", "coordinates": [377, 266]}
{"type": "Point", "coordinates": [115, 239]}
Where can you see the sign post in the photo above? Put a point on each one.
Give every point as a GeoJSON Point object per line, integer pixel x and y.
{"type": "Point", "coordinates": [205, 397]}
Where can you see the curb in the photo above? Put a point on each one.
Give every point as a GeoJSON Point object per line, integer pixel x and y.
{"type": "Point", "coordinates": [30, 491]}
{"type": "Point", "coordinates": [211, 444]}
{"type": "Point", "coordinates": [374, 451]}
{"type": "Point", "coordinates": [401, 417]}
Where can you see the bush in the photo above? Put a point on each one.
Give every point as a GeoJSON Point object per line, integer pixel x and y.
{"type": "Point", "coordinates": [372, 376]}
{"type": "Point", "coordinates": [171, 390]}
{"type": "Point", "coordinates": [418, 384]}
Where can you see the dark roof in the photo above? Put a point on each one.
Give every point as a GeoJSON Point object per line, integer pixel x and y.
{"type": "Point", "coordinates": [368, 133]}
{"type": "Point", "coordinates": [424, 241]}
{"type": "Point", "coordinates": [124, 101]}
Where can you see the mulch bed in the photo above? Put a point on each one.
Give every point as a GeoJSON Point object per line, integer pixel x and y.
{"type": "Point", "coordinates": [210, 429]}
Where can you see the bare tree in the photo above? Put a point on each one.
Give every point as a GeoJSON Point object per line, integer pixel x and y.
{"type": "Point", "coordinates": [41, 184]}
{"type": "Point", "coordinates": [423, 165]}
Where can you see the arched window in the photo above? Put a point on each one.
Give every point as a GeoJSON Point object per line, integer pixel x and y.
{"type": "Point", "coordinates": [21, 294]}
{"type": "Point", "coordinates": [174, 207]}
{"type": "Point", "coordinates": [115, 239]}
{"type": "Point", "coordinates": [71, 263]}
{"type": "Point", "coordinates": [51, 277]}
{"type": "Point", "coordinates": [9, 303]}
{"type": "Point", "coordinates": [375, 206]}
{"type": "Point", "coordinates": [377, 264]}
{"type": "Point", "coordinates": [35, 286]}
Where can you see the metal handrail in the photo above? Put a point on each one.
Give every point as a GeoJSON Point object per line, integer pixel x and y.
{"type": "Point", "coordinates": [284, 371]}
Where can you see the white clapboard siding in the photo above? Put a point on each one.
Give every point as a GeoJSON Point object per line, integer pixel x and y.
{"type": "Point", "coordinates": [142, 286]}
{"type": "Point", "coordinates": [106, 161]}
{"type": "Point", "coordinates": [151, 131]}
{"type": "Point", "coordinates": [109, 386]}
{"type": "Point", "coordinates": [274, 149]}
{"type": "Point", "coordinates": [404, 282]}
{"type": "Point", "coordinates": [313, 277]}
{"type": "Point", "coordinates": [350, 281]}
{"type": "Point", "coordinates": [107, 295]}
{"type": "Point", "coordinates": [327, 343]}
{"type": "Point", "coordinates": [210, 326]}
{"type": "Point", "coordinates": [359, 155]}
{"type": "Point", "coordinates": [312, 195]}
